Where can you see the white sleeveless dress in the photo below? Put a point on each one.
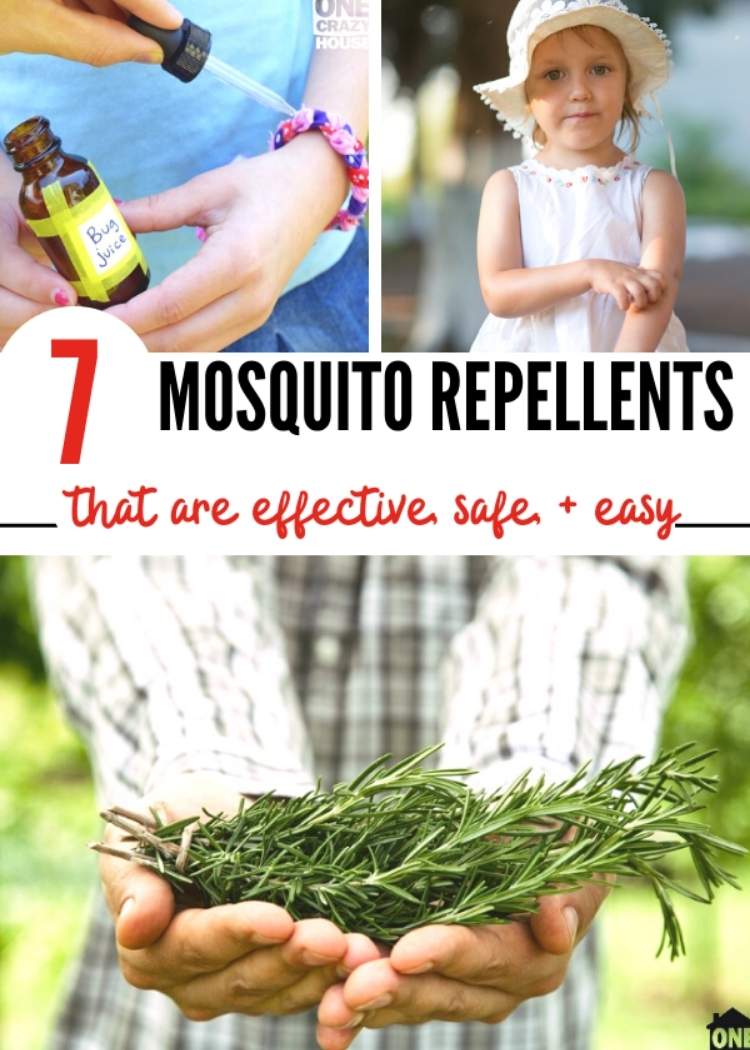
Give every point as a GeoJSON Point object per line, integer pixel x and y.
{"type": "Point", "coordinates": [587, 213]}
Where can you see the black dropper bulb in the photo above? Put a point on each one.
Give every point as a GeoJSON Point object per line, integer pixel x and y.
{"type": "Point", "coordinates": [185, 49]}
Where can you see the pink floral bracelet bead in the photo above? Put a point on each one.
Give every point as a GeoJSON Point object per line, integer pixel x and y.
{"type": "Point", "coordinates": [341, 138]}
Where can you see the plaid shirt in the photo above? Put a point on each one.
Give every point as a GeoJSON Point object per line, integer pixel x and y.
{"type": "Point", "coordinates": [279, 671]}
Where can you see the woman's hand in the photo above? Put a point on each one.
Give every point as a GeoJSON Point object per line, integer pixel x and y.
{"type": "Point", "coordinates": [249, 958]}
{"type": "Point", "coordinates": [28, 283]}
{"type": "Point", "coordinates": [461, 973]}
{"type": "Point", "coordinates": [89, 31]}
{"type": "Point", "coordinates": [261, 216]}
{"type": "Point", "coordinates": [629, 286]}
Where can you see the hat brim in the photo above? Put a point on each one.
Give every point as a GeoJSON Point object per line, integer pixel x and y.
{"type": "Point", "coordinates": [646, 49]}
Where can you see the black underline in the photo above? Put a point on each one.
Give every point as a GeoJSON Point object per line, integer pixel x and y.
{"type": "Point", "coordinates": [27, 525]}
{"type": "Point", "coordinates": [713, 525]}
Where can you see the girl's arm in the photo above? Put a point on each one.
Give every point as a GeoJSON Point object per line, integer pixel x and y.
{"type": "Point", "coordinates": [508, 288]}
{"type": "Point", "coordinates": [512, 290]}
{"type": "Point", "coordinates": [664, 225]}
{"type": "Point", "coordinates": [286, 198]}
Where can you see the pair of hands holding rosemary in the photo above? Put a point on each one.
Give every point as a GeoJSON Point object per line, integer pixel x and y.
{"type": "Point", "coordinates": [252, 958]}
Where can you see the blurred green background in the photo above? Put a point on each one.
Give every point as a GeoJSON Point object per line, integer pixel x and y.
{"type": "Point", "coordinates": [47, 815]}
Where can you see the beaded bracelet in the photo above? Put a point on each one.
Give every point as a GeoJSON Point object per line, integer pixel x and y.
{"type": "Point", "coordinates": [341, 138]}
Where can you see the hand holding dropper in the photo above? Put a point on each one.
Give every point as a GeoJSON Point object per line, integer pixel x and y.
{"type": "Point", "coordinates": [94, 32]}
{"type": "Point", "coordinates": [102, 33]}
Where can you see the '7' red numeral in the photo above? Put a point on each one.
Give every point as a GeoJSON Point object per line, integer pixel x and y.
{"type": "Point", "coordinates": [86, 352]}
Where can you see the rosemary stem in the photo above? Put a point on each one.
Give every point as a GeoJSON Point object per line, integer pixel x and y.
{"type": "Point", "coordinates": [401, 847]}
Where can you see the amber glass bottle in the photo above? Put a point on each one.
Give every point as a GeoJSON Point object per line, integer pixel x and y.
{"type": "Point", "coordinates": [70, 210]}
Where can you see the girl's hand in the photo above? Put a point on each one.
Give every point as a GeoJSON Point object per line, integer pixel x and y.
{"type": "Point", "coordinates": [261, 216]}
{"type": "Point", "coordinates": [28, 284]}
{"type": "Point", "coordinates": [629, 286]}
{"type": "Point", "coordinates": [90, 31]}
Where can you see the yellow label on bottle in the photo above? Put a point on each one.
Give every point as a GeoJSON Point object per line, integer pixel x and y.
{"type": "Point", "coordinates": [99, 244]}
{"type": "Point", "coordinates": [106, 238]}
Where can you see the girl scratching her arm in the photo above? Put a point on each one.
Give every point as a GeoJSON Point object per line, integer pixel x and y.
{"type": "Point", "coordinates": [581, 247]}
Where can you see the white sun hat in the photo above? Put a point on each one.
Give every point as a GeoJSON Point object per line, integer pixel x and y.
{"type": "Point", "coordinates": [646, 48]}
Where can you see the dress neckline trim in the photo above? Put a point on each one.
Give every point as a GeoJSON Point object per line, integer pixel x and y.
{"type": "Point", "coordinates": [588, 173]}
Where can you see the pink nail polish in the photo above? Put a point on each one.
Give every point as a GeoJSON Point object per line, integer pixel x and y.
{"type": "Point", "coordinates": [117, 201]}
{"type": "Point", "coordinates": [201, 234]}
{"type": "Point", "coordinates": [61, 298]}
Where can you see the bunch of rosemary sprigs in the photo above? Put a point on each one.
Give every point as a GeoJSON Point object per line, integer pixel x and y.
{"type": "Point", "coordinates": [403, 846]}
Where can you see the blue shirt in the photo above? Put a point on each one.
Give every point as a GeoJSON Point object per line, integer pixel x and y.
{"type": "Point", "coordinates": [147, 132]}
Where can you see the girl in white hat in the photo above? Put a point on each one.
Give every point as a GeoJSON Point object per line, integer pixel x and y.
{"type": "Point", "coordinates": [581, 247]}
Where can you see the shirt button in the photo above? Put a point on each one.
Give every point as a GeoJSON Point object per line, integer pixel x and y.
{"type": "Point", "coordinates": [327, 650]}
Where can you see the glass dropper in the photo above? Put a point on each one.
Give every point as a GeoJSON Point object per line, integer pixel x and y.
{"type": "Point", "coordinates": [187, 53]}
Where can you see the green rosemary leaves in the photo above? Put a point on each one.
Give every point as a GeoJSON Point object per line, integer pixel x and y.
{"type": "Point", "coordinates": [402, 846]}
